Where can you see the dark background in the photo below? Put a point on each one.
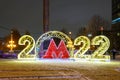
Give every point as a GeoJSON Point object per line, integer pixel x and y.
{"type": "Point", "coordinates": [69, 14]}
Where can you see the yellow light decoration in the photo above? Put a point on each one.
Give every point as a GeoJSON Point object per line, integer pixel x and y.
{"type": "Point", "coordinates": [25, 53]}
{"type": "Point", "coordinates": [49, 35]}
{"type": "Point", "coordinates": [85, 46]}
{"type": "Point", "coordinates": [11, 44]}
{"type": "Point", "coordinates": [71, 48]}
{"type": "Point", "coordinates": [81, 41]}
{"type": "Point", "coordinates": [104, 43]}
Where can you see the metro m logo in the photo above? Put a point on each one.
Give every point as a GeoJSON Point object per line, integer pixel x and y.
{"type": "Point", "coordinates": [56, 52]}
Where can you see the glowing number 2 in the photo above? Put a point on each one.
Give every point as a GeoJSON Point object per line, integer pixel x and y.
{"type": "Point", "coordinates": [25, 52]}
{"type": "Point", "coordinates": [85, 46]}
{"type": "Point", "coordinates": [104, 43]}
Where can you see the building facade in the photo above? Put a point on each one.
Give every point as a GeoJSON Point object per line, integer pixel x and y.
{"type": "Point", "coordinates": [116, 24]}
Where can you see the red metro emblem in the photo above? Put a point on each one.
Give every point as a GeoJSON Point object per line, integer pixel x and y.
{"type": "Point", "coordinates": [57, 52]}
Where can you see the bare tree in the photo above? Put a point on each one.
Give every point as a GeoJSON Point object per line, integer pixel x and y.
{"type": "Point", "coordinates": [27, 32]}
{"type": "Point", "coordinates": [81, 31]}
{"type": "Point", "coordinates": [64, 31]}
{"type": "Point", "coordinates": [15, 35]}
{"type": "Point", "coordinates": [97, 23]}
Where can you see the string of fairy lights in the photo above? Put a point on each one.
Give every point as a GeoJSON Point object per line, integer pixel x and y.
{"type": "Point", "coordinates": [98, 53]}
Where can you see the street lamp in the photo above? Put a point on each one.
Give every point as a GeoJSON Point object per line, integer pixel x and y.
{"type": "Point", "coordinates": [101, 30]}
{"type": "Point", "coordinates": [71, 48]}
{"type": "Point", "coordinates": [11, 44]}
{"type": "Point", "coordinates": [89, 35]}
{"type": "Point", "coordinates": [118, 34]}
{"type": "Point", "coordinates": [70, 33]}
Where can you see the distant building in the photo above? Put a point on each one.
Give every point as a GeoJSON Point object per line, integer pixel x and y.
{"type": "Point", "coordinates": [116, 10]}
{"type": "Point", "coordinates": [116, 15]}
{"type": "Point", "coordinates": [116, 23]}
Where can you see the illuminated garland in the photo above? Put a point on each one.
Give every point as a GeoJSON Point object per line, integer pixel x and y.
{"type": "Point", "coordinates": [104, 43]}
{"type": "Point", "coordinates": [85, 46]}
{"type": "Point", "coordinates": [49, 35]}
{"type": "Point", "coordinates": [81, 41]}
{"type": "Point", "coordinates": [25, 53]}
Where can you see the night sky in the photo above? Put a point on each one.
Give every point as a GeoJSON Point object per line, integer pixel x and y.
{"type": "Point", "coordinates": [69, 14]}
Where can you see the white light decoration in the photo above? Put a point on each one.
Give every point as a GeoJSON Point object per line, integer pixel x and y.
{"type": "Point", "coordinates": [84, 48]}
{"type": "Point", "coordinates": [25, 53]}
{"type": "Point", "coordinates": [48, 35]}
{"type": "Point", "coordinates": [104, 44]}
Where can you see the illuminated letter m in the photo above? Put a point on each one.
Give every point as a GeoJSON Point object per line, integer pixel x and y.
{"type": "Point", "coordinates": [56, 52]}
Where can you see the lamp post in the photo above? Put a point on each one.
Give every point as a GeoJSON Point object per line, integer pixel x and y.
{"type": "Point", "coordinates": [70, 45]}
{"type": "Point", "coordinates": [101, 29]}
{"type": "Point", "coordinates": [11, 44]}
{"type": "Point", "coordinates": [70, 34]}
{"type": "Point", "coordinates": [71, 48]}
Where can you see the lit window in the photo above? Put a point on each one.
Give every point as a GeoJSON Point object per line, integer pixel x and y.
{"type": "Point", "coordinates": [118, 6]}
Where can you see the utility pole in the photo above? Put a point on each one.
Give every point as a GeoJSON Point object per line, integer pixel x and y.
{"type": "Point", "coordinates": [101, 30]}
{"type": "Point", "coordinates": [45, 15]}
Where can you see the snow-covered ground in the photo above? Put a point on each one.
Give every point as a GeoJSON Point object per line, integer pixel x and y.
{"type": "Point", "coordinates": [58, 69]}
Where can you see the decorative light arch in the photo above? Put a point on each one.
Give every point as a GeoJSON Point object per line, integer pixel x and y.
{"type": "Point", "coordinates": [50, 34]}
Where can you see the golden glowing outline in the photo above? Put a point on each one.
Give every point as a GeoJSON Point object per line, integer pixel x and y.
{"type": "Point", "coordinates": [104, 43]}
{"type": "Point", "coordinates": [82, 50]}
{"type": "Point", "coordinates": [30, 46]}
{"type": "Point", "coordinates": [49, 35]}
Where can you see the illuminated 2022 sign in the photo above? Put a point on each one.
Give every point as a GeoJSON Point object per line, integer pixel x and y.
{"type": "Point", "coordinates": [65, 49]}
